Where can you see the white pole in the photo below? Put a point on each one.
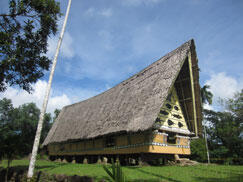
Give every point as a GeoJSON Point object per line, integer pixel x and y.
{"type": "Point", "coordinates": [45, 102]}
{"type": "Point", "coordinates": [206, 141]}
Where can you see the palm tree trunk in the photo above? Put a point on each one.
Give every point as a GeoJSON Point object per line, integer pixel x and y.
{"type": "Point", "coordinates": [206, 141]}
{"type": "Point", "coordinates": [40, 123]}
{"type": "Point", "coordinates": [6, 175]}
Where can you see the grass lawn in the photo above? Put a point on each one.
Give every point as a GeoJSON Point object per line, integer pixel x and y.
{"type": "Point", "coordinates": [199, 173]}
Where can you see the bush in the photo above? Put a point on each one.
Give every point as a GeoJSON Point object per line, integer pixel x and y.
{"type": "Point", "coordinates": [198, 150]}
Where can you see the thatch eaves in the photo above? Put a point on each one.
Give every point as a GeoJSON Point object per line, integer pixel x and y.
{"type": "Point", "coordinates": [131, 106]}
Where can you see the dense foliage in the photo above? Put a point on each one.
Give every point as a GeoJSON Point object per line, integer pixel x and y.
{"type": "Point", "coordinates": [198, 150]}
{"type": "Point", "coordinates": [9, 133]}
{"type": "Point", "coordinates": [226, 131]}
{"type": "Point", "coordinates": [206, 95]}
{"type": "Point", "coordinates": [18, 127]}
{"type": "Point", "coordinates": [23, 41]}
{"type": "Point", "coordinates": [56, 113]}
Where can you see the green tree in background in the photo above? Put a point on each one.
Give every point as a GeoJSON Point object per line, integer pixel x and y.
{"type": "Point", "coordinates": [17, 129]}
{"type": "Point", "coordinates": [225, 132]}
{"type": "Point", "coordinates": [27, 116]}
{"type": "Point", "coordinates": [56, 113]}
{"type": "Point", "coordinates": [206, 95]}
{"type": "Point", "coordinates": [21, 123]}
{"type": "Point", "coordinates": [10, 140]}
{"type": "Point", "coordinates": [199, 149]}
{"type": "Point", "coordinates": [23, 41]}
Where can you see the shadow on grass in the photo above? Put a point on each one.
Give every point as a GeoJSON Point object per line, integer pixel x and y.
{"type": "Point", "coordinates": [161, 177]}
{"type": "Point", "coordinates": [230, 178]}
{"type": "Point", "coordinates": [223, 171]}
{"type": "Point", "coordinates": [50, 167]}
{"type": "Point", "coordinates": [46, 167]}
{"type": "Point", "coordinates": [132, 167]}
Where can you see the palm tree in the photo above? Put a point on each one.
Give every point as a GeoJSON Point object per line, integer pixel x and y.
{"type": "Point", "coordinates": [206, 97]}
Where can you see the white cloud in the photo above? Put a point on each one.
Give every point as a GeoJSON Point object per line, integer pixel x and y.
{"type": "Point", "coordinates": [20, 97]}
{"type": "Point", "coordinates": [107, 39]}
{"type": "Point", "coordinates": [66, 47]}
{"type": "Point", "coordinates": [223, 86]}
{"type": "Point", "coordinates": [106, 12]}
{"type": "Point", "coordinates": [80, 94]}
{"type": "Point", "coordinates": [145, 40]}
{"type": "Point", "coordinates": [207, 106]}
{"type": "Point", "coordinates": [58, 97]}
{"type": "Point", "coordinates": [138, 2]}
{"type": "Point", "coordinates": [91, 12]}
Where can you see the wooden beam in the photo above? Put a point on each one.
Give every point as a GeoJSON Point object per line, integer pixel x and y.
{"type": "Point", "coordinates": [193, 92]}
{"type": "Point", "coordinates": [186, 99]}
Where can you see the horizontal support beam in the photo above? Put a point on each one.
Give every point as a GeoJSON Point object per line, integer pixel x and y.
{"type": "Point", "coordinates": [186, 99]}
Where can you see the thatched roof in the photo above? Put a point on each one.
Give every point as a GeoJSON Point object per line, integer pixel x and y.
{"type": "Point", "coordinates": [130, 106]}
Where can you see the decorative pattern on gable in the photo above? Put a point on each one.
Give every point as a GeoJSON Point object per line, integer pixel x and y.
{"type": "Point", "coordinates": [170, 114]}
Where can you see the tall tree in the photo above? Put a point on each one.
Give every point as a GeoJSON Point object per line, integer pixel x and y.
{"type": "Point", "coordinates": [199, 147]}
{"type": "Point", "coordinates": [235, 105]}
{"type": "Point", "coordinates": [26, 117]}
{"type": "Point", "coordinates": [23, 41]}
{"type": "Point", "coordinates": [56, 113]}
{"type": "Point", "coordinates": [10, 140]}
{"type": "Point", "coordinates": [206, 95]}
{"type": "Point", "coordinates": [46, 126]}
{"type": "Point", "coordinates": [225, 132]}
{"type": "Point", "coordinates": [22, 122]}
{"type": "Point", "coordinates": [17, 129]}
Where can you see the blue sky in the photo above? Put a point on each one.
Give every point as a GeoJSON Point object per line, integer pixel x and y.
{"type": "Point", "coordinates": [107, 41]}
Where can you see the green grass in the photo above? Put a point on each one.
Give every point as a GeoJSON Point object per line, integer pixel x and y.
{"type": "Point", "coordinates": [199, 173]}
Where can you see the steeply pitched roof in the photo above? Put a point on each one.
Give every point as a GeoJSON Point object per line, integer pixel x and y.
{"type": "Point", "coordinates": [131, 106]}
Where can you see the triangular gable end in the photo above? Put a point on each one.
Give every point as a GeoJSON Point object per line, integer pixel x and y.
{"type": "Point", "coordinates": [171, 117]}
{"type": "Point", "coordinates": [184, 118]}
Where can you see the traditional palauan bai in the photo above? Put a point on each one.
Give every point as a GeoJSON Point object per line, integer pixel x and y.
{"type": "Point", "coordinates": [150, 116]}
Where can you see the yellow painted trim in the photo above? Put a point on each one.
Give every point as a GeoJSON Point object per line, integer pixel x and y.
{"type": "Point", "coordinates": [169, 150]}
{"type": "Point", "coordinates": [193, 92]}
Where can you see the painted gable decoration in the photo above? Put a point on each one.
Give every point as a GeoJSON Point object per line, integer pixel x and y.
{"type": "Point", "coordinates": [171, 115]}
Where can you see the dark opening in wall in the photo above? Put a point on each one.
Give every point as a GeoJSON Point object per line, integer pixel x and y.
{"type": "Point", "coordinates": [168, 106]}
{"type": "Point", "coordinates": [171, 138]}
{"type": "Point", "coordinates": [157, 120]}
{"type": "Point", "coordinates": [177, 116]}
{"type": "Point", "coordinates": [110, 142]}
{"type": "Point", "coordinates": [180, 124]}
{"type": "Point", "coordinates": [170, 122]}
{"type": "Point", "coordinates": [164, 112]}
